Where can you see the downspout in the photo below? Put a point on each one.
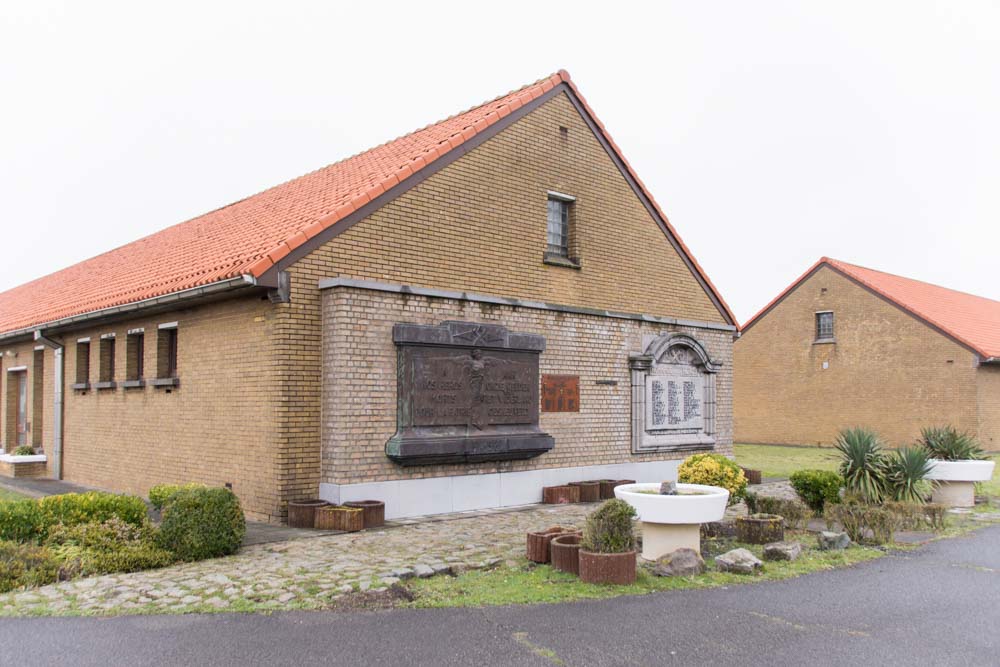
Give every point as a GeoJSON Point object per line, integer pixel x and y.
{"type": "Point", "coordinates": [57, 406]}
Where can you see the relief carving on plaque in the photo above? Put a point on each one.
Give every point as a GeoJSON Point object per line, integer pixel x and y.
{"type": "Point", "coordinates": [466, 392]}
{"type": "Point", "coordinates": [673, 395]}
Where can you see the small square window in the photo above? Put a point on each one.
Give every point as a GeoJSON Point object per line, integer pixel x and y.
{"type": "Point", "coordinates": [558, 227]}
{"type": "Point", "coordinates": [824, 326]}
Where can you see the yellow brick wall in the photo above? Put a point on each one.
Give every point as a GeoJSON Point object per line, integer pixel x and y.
{"type": "Point", "coordinates": [360, 370]}
{"type": "Point", "coordinates": [479, 225]}
{"type": "Point", "coordinates": [988, 377]}
{"type": "Point", "coordinates": [887, 370]}
{"type": "Point", "coordinates": [218, 426]}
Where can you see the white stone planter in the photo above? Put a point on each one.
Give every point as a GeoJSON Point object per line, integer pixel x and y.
{"type": "Point", "coordinates": [673, 522]}
{"type": "Point", "coordinates": [954, 481]}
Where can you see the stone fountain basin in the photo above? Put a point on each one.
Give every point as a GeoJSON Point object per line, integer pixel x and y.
{"type": "Point", "coordinates": [961, 471]}
{"type": "Point", "coordinates": [707, 503]}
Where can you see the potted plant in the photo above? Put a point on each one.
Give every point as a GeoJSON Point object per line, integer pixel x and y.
{"type": "Point", "coordinates": [565, 552]}
{"type": "Point", "coordinates": [607, 550]}
{"type": "Point", "coordinates": [302, 513]}
{"type": "Point", "coordinates": [957, 462]}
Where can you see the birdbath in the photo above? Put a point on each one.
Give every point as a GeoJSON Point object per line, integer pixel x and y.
{"type": "Point", "coordinates": [955, 481]}
{"type": "Point", "coordinates": [673, 522]}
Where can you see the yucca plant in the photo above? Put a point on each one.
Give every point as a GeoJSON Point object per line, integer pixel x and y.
{"type": "Point", "coordinates": [946, 443]}
{"type": "Point", "coordinates": [906, 470]}
{"type": "Point", "coordinates": [863, 464]}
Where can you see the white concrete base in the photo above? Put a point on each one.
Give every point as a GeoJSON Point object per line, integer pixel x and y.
{"type": "Point", "coordinates": [955, 494]}
{"type": "Point", "coordinates": [659, 539]}
{"type": "Point", "coordinates": [31, 458]}
{"type": "Point", "coordinates": [459, 493]}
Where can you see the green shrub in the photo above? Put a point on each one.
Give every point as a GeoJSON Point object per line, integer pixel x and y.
{"type": "Point", "coordinates": [23, 565]}
{"type": "Point", "coordinates": [92, 507]}
{"type": "Point", "coordinates": [863, 464]}
{"type": "Point", "coordinates": [905, 473]}
{"type": "Point", "coordinates": [858, 519]}
{"type": "Point", "coordinates": [202, 523]}
{"type": "Point", "coordinates": [21, 520]}
{"type": "Point", "coordinates": [106, 547]}
{"type": "Point", "coordinates": [793, 512]}
{"type": "Point", "coordinates": [609, 528]}
{"type": "Point", "coordinates": [714, 470]}
{"type": "Point", "coordinates": [946, 443]}
{"type": "Point", "coordinates": [24, 450]}
{"type": "Point", "coordinates": [160, 494]}
{"type": "Point", "coordinates": [816, 488]}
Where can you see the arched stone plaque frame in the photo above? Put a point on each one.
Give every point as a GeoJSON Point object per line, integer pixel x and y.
{"type": "Point", "coordinates": [673, 395]}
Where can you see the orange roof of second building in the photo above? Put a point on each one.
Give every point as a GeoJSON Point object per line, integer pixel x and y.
{"type": "Point", "coordinates": [250, 236]}
{"type": "Point", "coordinates": [972, 320]}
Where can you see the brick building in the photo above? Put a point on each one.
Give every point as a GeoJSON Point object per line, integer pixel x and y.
{"type": "Point", "coordinates": [849, 346]}
{"type": "Point", "coordinates": [255, 345]}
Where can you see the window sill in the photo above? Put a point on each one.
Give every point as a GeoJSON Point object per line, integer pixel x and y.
{"type": "Point", "coordinates": [105, 385]}
{"type": "Point", "coordinates": [133, 384]}
{"type": "Point", "coordinates": [31, 458]}
{"type": "Point", "coordinates": [80, 386]}
{"type": "Point", "coordinates": [558, 260]}
{"type": "Point", "coordinates": [165, 382]}
{"type": "Point", "coordinates": [825, 341]}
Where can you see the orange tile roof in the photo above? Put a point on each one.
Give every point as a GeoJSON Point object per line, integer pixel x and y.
{"type": "Point", "coordinates": [973, 321]}
{"type": "Point", "coordinates": [250, 236]}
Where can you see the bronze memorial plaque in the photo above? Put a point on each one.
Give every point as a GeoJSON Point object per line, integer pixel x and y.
{"type": "Point", "coordinates": [466, 392]}
{"type": "Point", "coordinates": [560, 393]}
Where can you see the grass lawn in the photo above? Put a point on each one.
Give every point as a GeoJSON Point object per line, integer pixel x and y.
{"type": "Point", "coordinates": [779, 461]}
{"type": "Point", "coordinates": [7, 494]}
{"type": "Point", "coordinates": [532, 584]}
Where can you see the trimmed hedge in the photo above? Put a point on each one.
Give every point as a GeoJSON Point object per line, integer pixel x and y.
{"type": "Point", "coordinates": [202, 523]}
{"type": "Point", "coordinates": [609, 528]}
{"type": "Point", "coordinates": [817, 488]}
{"type": "Point", "coordinates": [31, 520]}
{"type": "Point", "coordinates": [102, 548]}
{"type": "Point", "coordinates": [160, 494]}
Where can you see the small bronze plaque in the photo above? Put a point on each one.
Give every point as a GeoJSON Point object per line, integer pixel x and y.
{"type": "Point", "coordinates": [560, 393]}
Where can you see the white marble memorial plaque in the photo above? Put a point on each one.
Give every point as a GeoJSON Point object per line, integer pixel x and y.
{"type": "Point", "coordinates": [674, 402]}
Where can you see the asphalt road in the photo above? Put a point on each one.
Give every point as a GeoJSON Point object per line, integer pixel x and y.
{"type": "Point", "coordinates": [939, 605]}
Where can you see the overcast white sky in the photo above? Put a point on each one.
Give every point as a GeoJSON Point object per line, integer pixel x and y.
{"type": "Point", "coordinates": [771, 133]}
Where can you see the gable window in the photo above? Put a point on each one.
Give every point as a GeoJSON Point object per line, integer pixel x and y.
{"type": "Point", "coordinates": [559, 230]}
{"type": "Point", "coordinates": [135, 358]}
{"type": "Point", "coordinates": [166, 355]}
{"type": "Point", "coordinates": [824, 326]}
{"type": "Point", "coordinates": [82, 364]}
{"type": "Point", "coordinates": [106, 361]}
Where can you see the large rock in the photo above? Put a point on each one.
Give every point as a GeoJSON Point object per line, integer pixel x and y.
{"type": "Point", "coordinates": [739, 561]}
{"type": "Point", "coordinates": [782, 551]}
{"type": "Point", "coordinates": [829, 541]}
{"type": "Point", "coordinates": [668, 489]}
{"type": "Point", "coordinates": [679, 563]}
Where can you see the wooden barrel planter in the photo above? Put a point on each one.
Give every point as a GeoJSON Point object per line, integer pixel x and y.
{"type": "Point", "coordinates": [753, 476]}
{"type": "Point", "coordinates": [590, 491]}
{"type": "Point", "coordinates": [598, 568]}
{"type": "Point", "coordinates": [608, 488]}
{"type": "Point", "coordinates": [760, 528]}
{"type": "Point", "coordinates": [373, 510]}
{"type": "Point", "coordinates": [339, 517]}
{"type": "Point", "coordinates": [565, 552]}
{"type": "Point", "coordinates": [560, 495]}
{"type": "Point", "coordinates": [302, 513]}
